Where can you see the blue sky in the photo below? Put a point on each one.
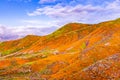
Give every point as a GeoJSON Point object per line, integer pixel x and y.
{"type": "Point", "coordinates": [19, 18]}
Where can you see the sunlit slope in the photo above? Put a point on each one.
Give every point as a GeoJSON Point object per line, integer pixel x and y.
{"type": "Point", "coordinates": [101, 45]}
{"type": "Point", "coordinates": [62, 37]}
{"type": "Point", "coordinates": [105, 69]}
{"type": "Point", "coordinates": [88, 52]}
{"type": "Point", "coordinates": [32, 44]}
{"type": "Point", "coordinates": [9, 47]}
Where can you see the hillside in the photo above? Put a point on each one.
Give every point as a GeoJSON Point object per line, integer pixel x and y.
{"type": "Point", "coordinates": [74, 52]}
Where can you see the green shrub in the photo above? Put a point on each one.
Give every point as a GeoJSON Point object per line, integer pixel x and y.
{"type": "Point", "coordinates": [83, 46]}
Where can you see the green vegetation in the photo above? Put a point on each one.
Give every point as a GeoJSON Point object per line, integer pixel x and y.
{"type": "Point", "coordinates": [83, 46]}
{"type": "Point", "coordinates": [2, 44]}
{"type": "Point", "coordinates": [6, 52]}
{"type": "Point", "coordinates": [59, 32]}
{"type": "Point", "coordinates": [71, 50]}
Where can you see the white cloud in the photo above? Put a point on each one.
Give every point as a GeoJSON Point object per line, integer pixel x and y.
{"type": "Point", "coordinates": [80, 13]}
{"type": "Point", "coordinates": [28, 27]}
{"type": "Point", "coordinates": [40, 23]}
{"type": "Point", "coordinates": [46, 1]}
{"type": "Point", "coordinates": [9, 33]}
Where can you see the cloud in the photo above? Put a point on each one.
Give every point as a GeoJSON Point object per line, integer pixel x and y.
{"type": "Point", "coordinates": [39, 23]}
{"type": "Point", "coordinates": [60, 14]}
{"type": "Point", "coordinates": [47, 1]}
{"type": "Point", "coordinates": [5, 35]}
{"type": "Point", "coordinates": [42, 24]}
{"type": "Point", "coordinates": [28, 27]}
{"type": "Point", "coordinates": [80, 13]}
{"type": "Point", "coordinates": [10, 33]}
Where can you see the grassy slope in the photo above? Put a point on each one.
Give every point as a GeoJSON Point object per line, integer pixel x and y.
{"type": "Point", "coordinates": [17, 45]}
{"type": "Point", "coordinates": [98, 43]}
{"type": "Point", "coordinates": [34, 44]}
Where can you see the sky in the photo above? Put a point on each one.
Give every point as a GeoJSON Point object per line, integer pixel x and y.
{"type": "Point", "coordinates": [19, 18]}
